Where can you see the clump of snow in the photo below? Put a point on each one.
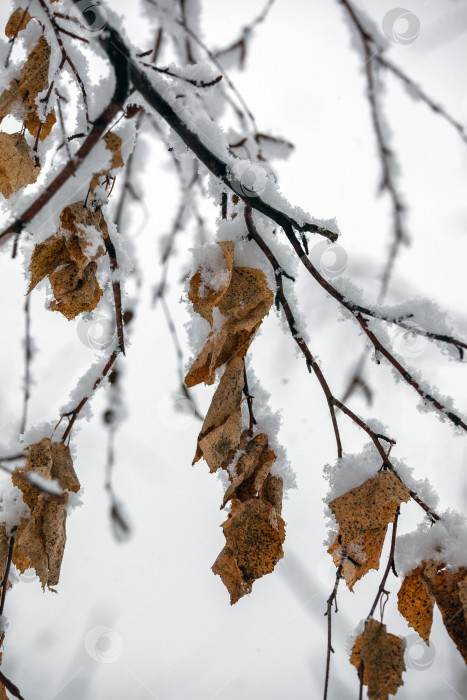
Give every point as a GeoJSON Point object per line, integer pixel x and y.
{"type": "Point", "coordinates": [351, 471]}
{"type": "Point", "coordinates": [209, 260]}
{"type": "Point", "coordinates": [445, 541]}
{"type": "Point", "coordinates": [13, 508]}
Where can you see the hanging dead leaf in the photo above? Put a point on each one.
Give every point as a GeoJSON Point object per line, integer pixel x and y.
{"type": "Point", "coordinates": [113, 143]}
{"type": "Point", "coordinates": [415, 603]}
{"type": "Point", "coordinates": [242, 304]}
{"type": "Point", "coordinates": [21, 95]}
{"type": "Point", "coordinates": [220, 435]}
{"type": "Point", "coordinates": [40, 539]}
{"type": "Point", "coordinates": [69, 261]}
{"type": "Point", "coordinates": [204, 298]}
{"type": "Point", "coordinates": [254, 536]}
{"type": "Point", "coordinates": [252, 469]}
{"type": "Point", "coordinates": [446, 586]}
{"type": "Point", "coordinates": [17, 167]}
{"type": "Point", "coordinates": [360, 556]}
{"type": "Point", "coordinates": [363, 514]}
{"type": "Point", "coordinates": [18, 21]}
{"type": "Point", "coordinates": [382, 655]}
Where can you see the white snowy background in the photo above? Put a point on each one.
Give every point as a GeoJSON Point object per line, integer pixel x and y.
{"type": "Point", "coordinates": [147, 618]}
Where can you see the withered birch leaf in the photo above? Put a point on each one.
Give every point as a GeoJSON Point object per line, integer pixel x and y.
{"type": "Point", "coordinates": [54, 534]}
{"type": "Point", "coordinates": [272, 491]}
{"type": "Point", "coordinates": [69, 261]}
{"type": "Point", "coordinates": [40, 539]}
{"type": "Point", "coordinates": [243, 304]}
{"type": "Point", "coordinates": [17, 168]}
{"type": "Point", "coordinates": [62, 467]}
{"type": "Point", "coordinates": [360, 556]}
{"type": "Point", "coordinates": [220, 444]}
{"type": "Point", "coordinates": [415, 603]}
{"type": "Point", "coordinates": [369, 506]}
{"type": "Point", "coordinates": [203, 298]}
{"type": "Point", "coordinates": [254, 535]}
{"type": "Point", "coordinates": [252, 469]}
{"type": "Point", "coordinates": [20, 97]}
{"type": "Point", "coordinates": [444, 586]}
{"type": "Point", "coordinates": [220, 434]}
{"type": "Point", "coordinates": [17, 22]}
{"type": "Point", "coordinates": [363, 514]}
{"type": "Point", "coordinates": [45, 258]}
{"type": "Point", "coordinates": [75, 293]}
{"type": "Point", "coordinates": [382, 655]}
{"type": "Point", "coordinates": [226, 567]}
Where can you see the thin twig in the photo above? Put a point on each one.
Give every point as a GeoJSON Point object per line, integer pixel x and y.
{"type": "Point", "coordinates": [381, 588]}
{"type": "Point", "coordinates": [7, 569]}
{"type": "Point", "coordinates": [27, 363]}
{"type": "Point", "coordinates": [331, 601]}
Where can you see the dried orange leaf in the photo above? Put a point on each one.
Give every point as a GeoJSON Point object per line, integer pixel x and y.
{"type": "Point", "coordinates": [75, 292]}
{"type": "Point", "coordinates": [69, 261]}
{"type": "Point", "coordinates": [359, 556]}
{"type": "Point", "coordinates": [226, 567]}
{"type": "Point", "coordinates": [369, 506]}
{"type": "Point", "coordinates": [17, 168]}
{"type": "Point", "coordinates": [415, 603]}
{"type": "Point", "coordinates": [45, 258]}
{"type": "Point", "coordinates": [363, 514]}
{"type": "Point", "coordinates": [204, 298]}
{"type": "Point", "coordinates": [40, 539]}
{"type": "Point", "coordinates": [252, 469]}
{"type": "Point", "coordinates": [382, 655]}
{"type": "Point", "coordinates": [221, 431]}
{"type": "Point", "coordinates": [62, 467]}
{"type": "Point", "coordinates": [17, 22]}
{"type": "Point", "coordinates": [254, 534]}
{"type": "Point", "coordinates": [243, 303]}
{"type": "Point", "coordinates": [445, 587]}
